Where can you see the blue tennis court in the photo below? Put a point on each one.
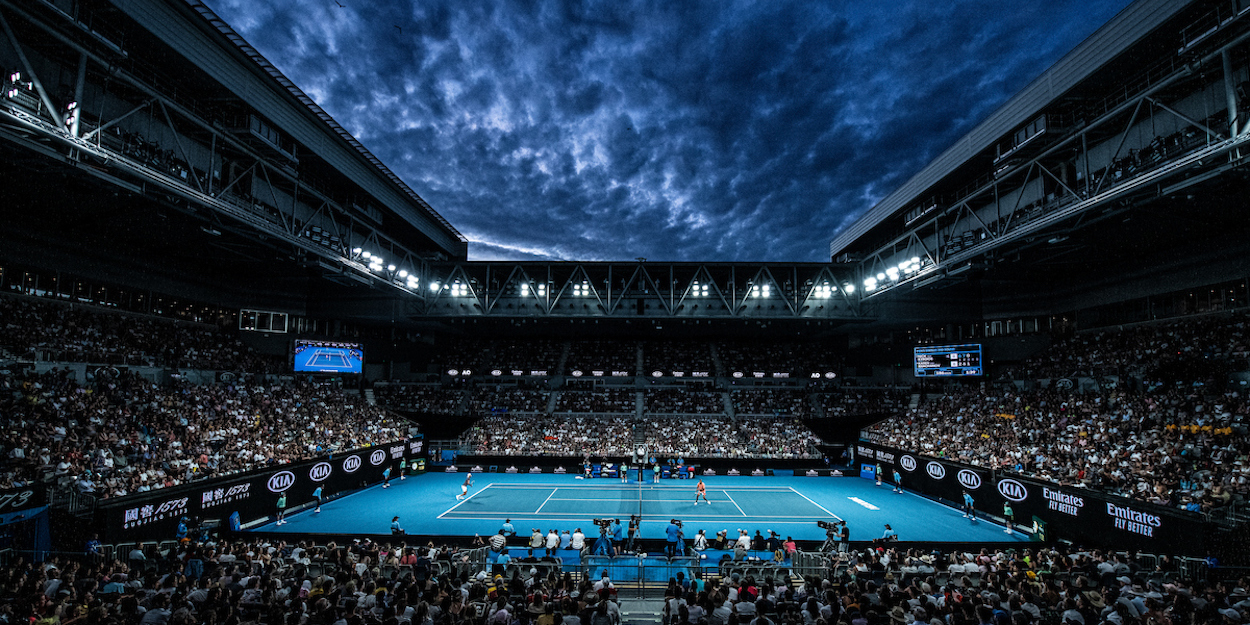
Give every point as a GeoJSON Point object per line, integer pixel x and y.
{"type": "Point", "coordinates": [743, 503]}
{"type": "Point", "coordinates": [788, 505]}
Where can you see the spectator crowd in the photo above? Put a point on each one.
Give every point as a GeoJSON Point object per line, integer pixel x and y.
{"type": "Point", "coordinates": [116, 435]}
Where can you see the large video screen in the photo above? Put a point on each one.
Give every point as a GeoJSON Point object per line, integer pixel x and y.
{"type": "Point", "coordinates": [948, 360]}
{"type": "Point", "coordinates": [328, 357]}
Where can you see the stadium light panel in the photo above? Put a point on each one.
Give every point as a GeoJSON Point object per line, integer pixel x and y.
{"type": "Point", "coordinates": [403, 273]}
{"type": "Point", "coordinates": [356, 251]}
{"type": "Point", "coordinates": [848, 288]}
{"type": "Point", "coordinates": [390, 267]}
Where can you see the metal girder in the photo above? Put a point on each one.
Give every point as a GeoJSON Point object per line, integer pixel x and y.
{"type": "Point", "coordinates": [601, 290]}
{"type": "Point", "coordinates": [1037, 182]}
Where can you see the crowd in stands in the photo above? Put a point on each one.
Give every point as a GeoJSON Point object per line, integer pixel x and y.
{"type": "Point", "coordinates": [426, 398]}
{"type": "Point", "coordinates": [853, 401]}
{"type": "Point", "coordinates": [722, 437]}
{"type": "Point", "coordinates": [53, 330]}
{"type": "Point", "coordinates": [1194, 348]}
{"type": "Point", "coordinates": [1171, 429]}
{"type": "Point", "coordinates": [669, 356]}
{"type": "Point", "coordinates": [494, 400]}
{"type": "Point", "coordinates": [797, 359]}
{"type": "Point", "coordinates": [683, 401]}
{"type": "Point", "coordinates": [367, 583]}
{"type": "Point", "coordinates": [116, 435]}
{"type": "Point", "coordinates": [602, 399]}
{"type": "Point", "coordinates": [602, 356]}
{"type": "Point", "coordinates": [771, 401]}
{"type": "Point", "coordinates": [1172, 448]}
{"type": "Point", "coordinates": [558, 435]}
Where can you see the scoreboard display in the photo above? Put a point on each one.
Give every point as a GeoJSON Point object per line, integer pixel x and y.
{"type": "Point", "coordinates": [328, 357]}
{"type": "Point", "coordinates": [948, 360]}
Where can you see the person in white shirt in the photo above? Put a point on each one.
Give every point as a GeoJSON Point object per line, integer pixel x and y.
{"type": "Point", "coordinates": [579, 540]}
{"type": "Point", "coordinates": [553, 541]}
{"type": "Point", "coordinates": [744, 540]}
{"type": "Point", "coordinates": [700, 541]}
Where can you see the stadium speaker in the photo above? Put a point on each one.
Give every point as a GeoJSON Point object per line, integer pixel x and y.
{"type": "Point", "coordinates": [640, 305]}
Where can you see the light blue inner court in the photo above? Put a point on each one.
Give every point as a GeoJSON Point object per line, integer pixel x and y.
{"type": "Point", "coordinates": [788, 505]}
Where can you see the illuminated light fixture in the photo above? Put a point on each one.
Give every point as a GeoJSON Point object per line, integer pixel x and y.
{"type": "Point", "coordinates": [880, 277]}
{"type": "Point", "coordinates": [365, 254]}
{"type": "Point", "coordinates": [434, 286]}
{"type": "Point", "coordinates": [403, 273]}
{"type": "Point", "coordinates": [390, 267]}
{"type": "Point", "coordinates": [453, 372]}
{"type": "Point", "coordinates": [761, 290]}
{"type": "Point", "coordinates": [357, 251]}
{"type": "Point", "coordinates": [71, 106]}
{"type": "Point", "coordinates": [892, 273]}
{"type": "Point", "coordinates": [15, 76]}
{"type": "Point", "coordinates": [848, 288]}
{"type": "Point", "coordinates": [915, 260]}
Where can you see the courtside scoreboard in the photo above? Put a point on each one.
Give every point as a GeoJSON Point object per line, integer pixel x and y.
{"type": "Point", "coordinates": [328, 357]}
{"type": "Point", "coordinates": [948, 360]}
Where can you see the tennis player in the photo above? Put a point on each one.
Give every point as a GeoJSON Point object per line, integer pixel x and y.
{"type": "Point", "coordinates": [700, 490]}
{"type": "Point", "coordinates": [464, 488]}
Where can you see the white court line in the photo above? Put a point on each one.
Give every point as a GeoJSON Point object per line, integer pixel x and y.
{"type": "Point", "coordinates": [816, 504]}
{"type": "Point", "coordinates": [731, 500]}
{"type": "Point", "coordinates": [465, 500]}
{"type": "Point", "coordinates": [591, 486]}
{"type": "Point", "coordinates": [530, 515]}
{"type": "Point", "coordinates": [540, 506]}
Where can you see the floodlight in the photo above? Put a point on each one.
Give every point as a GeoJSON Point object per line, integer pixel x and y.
{"type": "Point", "coordinates": [356, 251]}
{"type": "Point", "coordinates": [434, 285]}
{"type": "Point", "coordinates": [364, 254]}
{"type": "Point", "coordinates": [403, 273]}
{"type": "Point", "coordinates": [390, 267]}
{"type": "Point", "coordinates": [849, 288]}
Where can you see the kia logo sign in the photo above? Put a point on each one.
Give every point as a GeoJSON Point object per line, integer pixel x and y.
{"type": "Point", "coordinates": [935, 470]}
{"type": "Point", "coordinates": [908, 463]}
{"type": "Point", "coordinates": [377, 457]}
{"type": "Point", "coordinates": [969, 479]}
{"type": "Point", "coordinates": [281, 481]}
{"type": "Point", "coordinates": [351, 464]}
{"type": "Point", "coordinates": [320, 471]}
{"type": "Point", "coordinates": [1013, 490]}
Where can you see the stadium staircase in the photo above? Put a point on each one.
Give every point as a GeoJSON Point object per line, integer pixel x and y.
{"type": "Point", "coordinates": [914, 402]}
{"type": "Point", "coordinates": [370, 398]}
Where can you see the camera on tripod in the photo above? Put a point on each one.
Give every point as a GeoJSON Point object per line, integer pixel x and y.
{"type": "Point", "coordinates": [676, 522]}
{"type": "Point", "coordinates": [827, 525]}
{"type": "Point", "coordinates": [605, 525]}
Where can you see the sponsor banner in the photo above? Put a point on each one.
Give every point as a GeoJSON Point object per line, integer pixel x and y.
{"type": "Point", "coordinates": [18, 499]}
{"type": "Point", "coordinates": [1083, 516]}
{"type": "Point", "coordinates": [820, 473]}
{"type": "Point", "coordinates": [253, 495]}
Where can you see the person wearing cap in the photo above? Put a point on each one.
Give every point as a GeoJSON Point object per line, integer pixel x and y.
{"type": "Point", "coordinates": [898, 481]}
{"type": "Point", "coordinates": [464, 488]}
{"type": "Point", "coordinates": [396, 530]}
{"type": "Point", "coordinates": [969, 509]}
{"type": "Point", "coordinates": [700, 541]}
{"type": "Point", "coordinates": [498, 541]}
{"type": "Point", "coordinates": [1009, 516]}
{"type": "Point", "coordinates": [386, 477]}
{"type": "Point", "coordinates": [507, 529]}
{"type": "Point", "coordinates": [317, 496]}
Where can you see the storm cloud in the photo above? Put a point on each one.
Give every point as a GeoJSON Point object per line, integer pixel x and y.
{"type": "Point", "coordinates": [675, 131]}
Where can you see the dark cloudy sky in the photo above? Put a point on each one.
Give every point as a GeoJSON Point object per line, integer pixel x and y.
{"type": "Point", "coordinates": [676, 131]}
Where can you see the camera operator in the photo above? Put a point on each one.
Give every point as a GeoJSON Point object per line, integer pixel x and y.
{"type": "Point", "coordinates": [634, 522]}
{"type": "Point", "coordinates": [603, 545]}
{"type": "Point", "coordinates": [673, 535]}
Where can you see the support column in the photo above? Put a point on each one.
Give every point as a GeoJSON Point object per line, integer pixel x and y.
{"type": "Point", "coordinates": [79, 82]}
{"type": "Point", "coordinates": [1230, 93]}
